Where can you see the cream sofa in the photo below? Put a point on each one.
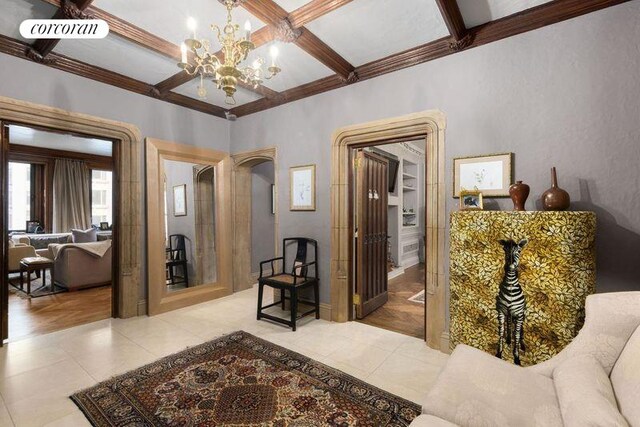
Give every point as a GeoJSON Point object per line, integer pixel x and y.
{"type": "Point", "coordinates": [17, 251]}
{"type": "Point", "coordinates": [77, 269]}
{"type": "Point", "coordinates": [595, 381]}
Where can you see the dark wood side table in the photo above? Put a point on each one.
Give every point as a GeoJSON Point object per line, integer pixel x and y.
{"type": "Point", "coordinates": [32, 264]}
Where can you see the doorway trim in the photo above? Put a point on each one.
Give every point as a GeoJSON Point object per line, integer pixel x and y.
{"type": "Point", "coordinates": [127, 142]}
{"type": "Point", "coordinates": [241, 209]}
{"type": "Point", "coordinates": [431, 126]}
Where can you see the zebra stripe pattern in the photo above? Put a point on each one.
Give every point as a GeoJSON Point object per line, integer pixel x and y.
{"type": "Point", "coordinates": [510, 302]}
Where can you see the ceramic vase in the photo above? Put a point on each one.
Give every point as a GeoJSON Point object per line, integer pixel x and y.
{"type": "Point", "coordinates": [555, 198]}
{"type": "Point", "coordinates": [519, 193]}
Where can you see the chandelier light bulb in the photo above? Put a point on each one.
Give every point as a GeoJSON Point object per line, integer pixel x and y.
{"type": "Point", "coordinates": [192, 25]}
{"type": "Point", "coordinates": [183, 50]}
{"type": "Point", "coordinates": [274, 54]}
{"type": "Point", "coordinates": [256, 64]}
{"type": "Point", "coordinates": [247, 30]}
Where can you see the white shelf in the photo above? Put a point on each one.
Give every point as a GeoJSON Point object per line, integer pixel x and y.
{"type": "Point", "coordinates": [405, 188]}
{"type": "Point", "coordinates": [408, 176]}
{"type": "Point", "coordinates": [409, 213]}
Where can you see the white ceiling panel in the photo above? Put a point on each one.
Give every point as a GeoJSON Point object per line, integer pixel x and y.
{"type": "Point", "coordinates": [13, 12]}
{"type": "Point", "coordinates": [477, 12]}
{"type": "Point", "coordinates": [116, 54]}
{"type": "Point", "coordinates": [291, 5]}
{"type": "Point", "coordinates": [298, 67]}
{"type": "Point", "coordinates": [366, 30]}
{"type": "Point", "coordinates": [216, 96]}
{"type": "Point", "coordinates": [168, 18]}
{"type": "Point", "coordinates": [21, 135]}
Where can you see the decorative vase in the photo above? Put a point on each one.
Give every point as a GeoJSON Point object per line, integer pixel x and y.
{"type": "Point", "coordinates": [555, 198]}
{"type": "Point", "coordinates": [519, 193]}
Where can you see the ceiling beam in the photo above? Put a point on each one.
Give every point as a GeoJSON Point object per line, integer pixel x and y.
{"type": "Point", "coordinates": [528, 20]}
{"type": "Point", "coordinates": [19, 49]}
{"type": "Point", "coordinates": [314, 10]}
{"type": "Point", "coordinates": [68, 9]}
{"type": "Point", "coordinates": [455, 24]}
{"type": "Point", "coordinates": [280, 21]}
{"type": "Point", "coordinates": [163, 47]}
{"type": "Point", "coordinates": [323, 53]}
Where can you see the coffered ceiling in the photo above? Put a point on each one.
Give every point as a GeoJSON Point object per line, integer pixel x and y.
{"type": "Point", "coordinates": [330, 43]}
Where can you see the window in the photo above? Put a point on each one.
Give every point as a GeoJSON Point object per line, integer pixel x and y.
{"type": "Point", "coordinates": [19, 195]}
{"type": "Point", "coordinates": [101, 197]}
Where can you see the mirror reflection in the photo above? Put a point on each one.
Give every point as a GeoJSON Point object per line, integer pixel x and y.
{"type": "Point", "coordinates": [189, 224]}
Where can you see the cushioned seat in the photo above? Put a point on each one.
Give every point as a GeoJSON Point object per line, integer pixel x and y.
{"type": "Point", "coordinates": [476, 388]}
{"type": "Point", "coordinates": [35, 260]}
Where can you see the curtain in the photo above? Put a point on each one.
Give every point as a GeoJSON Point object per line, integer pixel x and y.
{"type": "Point", "coordinates": [71, 196]}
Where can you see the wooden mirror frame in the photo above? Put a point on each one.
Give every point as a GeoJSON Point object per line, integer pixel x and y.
{"type": "Point", "coordinates": [161, 301]}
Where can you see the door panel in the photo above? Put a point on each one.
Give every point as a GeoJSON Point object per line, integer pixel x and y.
{"type": "Point", "coordinates": [371, 228]}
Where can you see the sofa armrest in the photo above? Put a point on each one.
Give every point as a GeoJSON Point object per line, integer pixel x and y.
{"type": "Point", "coordinates": [610, 319]}
{"type": "Point", "coordinates": [17, 253]}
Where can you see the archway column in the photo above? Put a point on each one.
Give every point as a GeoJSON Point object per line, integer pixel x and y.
{"type": "Point", "coordinates": [431, 126]}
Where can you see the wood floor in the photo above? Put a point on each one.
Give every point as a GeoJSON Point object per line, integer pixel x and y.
{"type": "Point", "coordinates": [37, 316]}
{"type": "Point", "coordinates": [399, 314]}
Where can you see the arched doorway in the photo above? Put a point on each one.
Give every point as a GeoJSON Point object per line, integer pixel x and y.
{"type": "Point", "coordinates": [242, 172]}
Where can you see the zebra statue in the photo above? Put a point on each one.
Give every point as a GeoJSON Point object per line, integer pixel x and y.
{"type": "Point", "coordinates": [510, 302]}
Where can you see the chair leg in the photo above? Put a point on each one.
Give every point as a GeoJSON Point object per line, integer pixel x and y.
{"type": "Point", "coordinates": [282, 297]}
{"type": "Point", "coordinates": [260, 291]}
{"type": "Point", "coordinates": [186, 274]}
{"type": "Point", "coordinates": [172, 278]}
{"type": "Point", "coordinates": [316, 292]}
{"type": "Point", "coordinates": [293, 302]}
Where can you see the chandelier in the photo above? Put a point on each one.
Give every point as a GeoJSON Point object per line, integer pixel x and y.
{"type": "Point", "coordinates": [225, 69]}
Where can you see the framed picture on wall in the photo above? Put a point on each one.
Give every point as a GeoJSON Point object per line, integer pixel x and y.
{"type": "Point", "coordinates": [471, 200]}
{"type": "Point", "coordinates": [491, 174]}
{"type": "Point", "coordinates": [303, 188]}
{"type": "Point", "coordinates": [180, 200]}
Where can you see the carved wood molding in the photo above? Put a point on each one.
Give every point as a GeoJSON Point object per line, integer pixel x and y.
{"type": "Point", "coordinates": [19, 49]}
{"type": "Point", "coordinates": [67, 9]}
{"type": "Point", "coordinates": [284, 32]}
{"type": "Point", "coordinates": [314, 10]}
{"type": "Point", "coordinates": [71, 10]}
{"type": "Point", "coordinates": [461, 44]}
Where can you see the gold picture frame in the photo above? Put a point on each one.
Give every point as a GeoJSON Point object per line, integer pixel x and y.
{"type": "Point", "coordinates": [471, 200]}
{"type": "Point", "coordinates": [302, 188]}
{"type": "Point", "coordinates": [491, 174]}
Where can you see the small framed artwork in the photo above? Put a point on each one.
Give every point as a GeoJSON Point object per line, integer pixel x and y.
{"type": "Point", "coordinates": [32, 227]}
{"type": "Point", "coordinates": [491, 174]}
{"type": "Point", "coordinates": [273, 199]}
{"type": "Point", "coordinates": [104, 226]}
{"type": "Point", "coordinates": [303, 188]}
{"type": "Point", "coordinates": [180, 200]}
{"type": "Point", "coordinates": [471, 200]}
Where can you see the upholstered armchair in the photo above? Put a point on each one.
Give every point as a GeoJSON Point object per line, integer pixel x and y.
{"type": "Point", "coordinates": [17, 251]}
{"type": "Point", "coordinates": [593, 381]}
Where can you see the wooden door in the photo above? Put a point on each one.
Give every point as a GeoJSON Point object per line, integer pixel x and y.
{"type": "Point", "coordinates": [371, 172]}
{"type": "Point", "coordinates": [4, 186]}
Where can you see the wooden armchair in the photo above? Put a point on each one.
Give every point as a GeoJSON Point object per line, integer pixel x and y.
{"type": "Point", "coordinates": [298, 277]}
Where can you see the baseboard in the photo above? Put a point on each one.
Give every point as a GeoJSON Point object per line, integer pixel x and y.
{"type": "Point", "coordinates": [444, 343]}
{"type": "Point", "coordinates": [142, 307]}
{"type": "Point", "coordinates": [410, 262]}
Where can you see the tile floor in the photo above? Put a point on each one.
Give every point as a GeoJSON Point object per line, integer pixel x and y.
{"type": "Point", "coordinates": [38, 374]}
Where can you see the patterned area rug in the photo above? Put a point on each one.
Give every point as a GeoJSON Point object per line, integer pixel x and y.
{"type": "Point", "coordinates": [241, 380]}
{"type": "Point", "coordinates": [419, 297]}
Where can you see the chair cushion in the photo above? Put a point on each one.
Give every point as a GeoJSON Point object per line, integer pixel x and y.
{"type": "Point", "coordinates": [585, 394]}
{"type": "Point", "coordinates": [286, 278]}
{"type": "Point", "coordinates": [478, 389]}
{"type": "Point", "coordinates": [35, 260]}
{"type": "Point", "coordinates": [84, 236]}
{"type": "Point", "coordinates": [625, 379]}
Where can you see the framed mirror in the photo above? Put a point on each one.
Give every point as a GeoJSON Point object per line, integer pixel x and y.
{"type": "Point", "coordinates": [188, 246]}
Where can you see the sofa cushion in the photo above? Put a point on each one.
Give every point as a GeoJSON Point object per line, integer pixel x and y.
{"type": "Point", "coordinates": [478, 389]}
{"type": "Point", "coordinates": [625, 379]}
{"type": "Point", "coordinates": [585, 394]}
{"type": "Point", "coordinates": [84, 236]}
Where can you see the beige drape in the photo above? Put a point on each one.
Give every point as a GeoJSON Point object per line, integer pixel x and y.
{"type": "Point", "coordinates": [71, 196]}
